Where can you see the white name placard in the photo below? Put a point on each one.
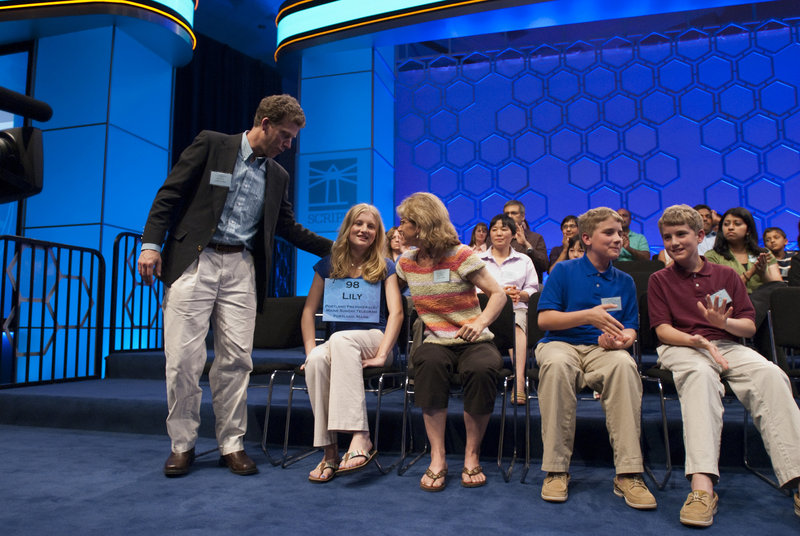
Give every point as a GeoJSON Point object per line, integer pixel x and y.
{"type": "Point", "coordinates": [351, 300]}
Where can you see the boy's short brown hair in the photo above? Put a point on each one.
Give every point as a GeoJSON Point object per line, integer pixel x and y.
{"type": "Point", "coordinates": [589, 220]}
{"type": "Point", "coordinates": [681, 215]}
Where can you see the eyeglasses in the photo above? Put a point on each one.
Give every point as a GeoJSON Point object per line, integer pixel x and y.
{"type": "Point", "coordinates": [403, 221]}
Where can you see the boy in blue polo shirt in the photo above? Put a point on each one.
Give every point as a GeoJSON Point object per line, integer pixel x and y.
{"type": "Point", "coordinates": [589, 310]}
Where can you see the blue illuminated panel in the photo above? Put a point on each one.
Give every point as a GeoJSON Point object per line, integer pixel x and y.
{"type": "Point", "coordinates": [141, 91]}
{"type": "Point", "coordinates": [184, 8]}
{"type": "Point", "coordinates": [696, 116]}
{"type": "Point", "coordinates": [73, 179]}
{"type": "Point", "coordinates": [306, 22]}
{"type": "Point", "coordinates": [72, 72]}
{"type": "Point", "coordinates": [129, 190]}
{"type": "Point", "coordinates": [342, 11]}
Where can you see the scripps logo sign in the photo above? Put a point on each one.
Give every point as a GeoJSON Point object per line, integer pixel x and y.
{"type": "Point", "coordinates": [332, 190]}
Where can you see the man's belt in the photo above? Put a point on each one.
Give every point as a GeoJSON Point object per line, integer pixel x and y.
{"type": "Point", "coordinates": [225, 248]}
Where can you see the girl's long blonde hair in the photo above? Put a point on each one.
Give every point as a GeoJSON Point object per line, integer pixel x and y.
{"type": "Point", "coordinates": [373, 266]}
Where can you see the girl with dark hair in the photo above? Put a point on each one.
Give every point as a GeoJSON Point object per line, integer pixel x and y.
{"type": "Point", "coordinates": [737, 247]}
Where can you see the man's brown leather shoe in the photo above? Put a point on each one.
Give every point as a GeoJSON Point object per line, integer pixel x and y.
{"type": "Point", "coordinates": [239, 462]}
{"type": "Point", "coordinates": [178, 463]}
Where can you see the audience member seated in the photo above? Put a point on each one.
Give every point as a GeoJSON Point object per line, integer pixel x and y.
{"type": "Point", "coordinates": [699, 311]}
{"type": "Point", "coordinates": [775, 241]}
{"type": "Point", "coordinates": [526, 241]}
{"type": "Point", "coordinates": [589, 310]}
{"type": "Point", "coordinates": [517, 276]}
{"type": "Point", "coordinates": [664, 257]}
{"type": "Point", "coordinates": [569, 228]}
{"type": "Point", "coordinates": [576, 250]}
{"type": "Point", "coordinates": [634, 245]}
{"type": "Point", "coordinates": [794, 270]}
{"type": "Point", "coordinates": [443, 275]}
{"type": "Point", "coordinates": [479, 241]}
{"type": "Point", "coordinates": [394, 244]}
{"type": "Point", "coordinates": [710, 226]}
{"type": "Point", "coordinates": [736, 246]}
{"type": "Point", "coordinates": [334, 369]}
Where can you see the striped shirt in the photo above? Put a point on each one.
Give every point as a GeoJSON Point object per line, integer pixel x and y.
{"type": "Point", "coordinates": [244, 205]}
{"type": "Point", "coordinates": [443, 295]}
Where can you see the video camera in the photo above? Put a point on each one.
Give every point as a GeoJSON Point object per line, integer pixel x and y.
{"type": "Point", "coordinates": [21, 162]}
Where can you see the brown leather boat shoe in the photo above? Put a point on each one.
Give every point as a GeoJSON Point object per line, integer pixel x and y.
{"type": "Point", "coordinates": [178, 463]}
{"type": "Point", "coordinates": [239, 463]}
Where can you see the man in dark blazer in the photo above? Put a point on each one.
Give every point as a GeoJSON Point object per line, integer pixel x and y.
{"type": "Point", "coordinates": [216, 216]}
{"type": "Point", "coordinates": [527, 242]}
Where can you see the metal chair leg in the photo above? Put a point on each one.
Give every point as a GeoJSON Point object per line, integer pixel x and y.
{"type": "Point", "coordinates": [750, 467]}
{"type": "Point", "coordinates": [527, 465]}
{"type": "Point", "coordinates": [289, 460]}
{"type": "Point", "coordinates": [661, 484]}
{"type": "Point", "coordinates": [507, 472]}
{"type": "Point", "coordinates": [270, 386]}
{"type": "Point", "coordinates": [402, 467]}
{"type": "Point", "coordinates": [383, 469]}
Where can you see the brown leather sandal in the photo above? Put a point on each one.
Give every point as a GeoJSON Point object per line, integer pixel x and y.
{"type": "Point", "coordinates": [477, 470]}
{"type": "Point", "coordinates": [435, 476]}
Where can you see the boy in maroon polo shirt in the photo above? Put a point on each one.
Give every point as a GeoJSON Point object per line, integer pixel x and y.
{"type": "Point", "coordinates": [699, 311]}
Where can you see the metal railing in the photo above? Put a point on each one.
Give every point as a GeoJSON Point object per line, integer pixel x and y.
{"type": "Point", "coordinates": [136, 322]}
{"type": "Point", "coordinates": [51, 312]}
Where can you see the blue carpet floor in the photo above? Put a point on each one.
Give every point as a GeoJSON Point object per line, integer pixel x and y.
{"type": "Point", "coordinates": [57, 481]}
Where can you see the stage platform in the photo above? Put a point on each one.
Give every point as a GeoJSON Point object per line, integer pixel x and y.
{"type": "Point", "coordinates": [132, 398]}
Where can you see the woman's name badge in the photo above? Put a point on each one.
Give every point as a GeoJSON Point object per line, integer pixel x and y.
{"type": "Point", "coordinates": [441, 276]}
{"type": "Point", "coordinates": [351, 300]}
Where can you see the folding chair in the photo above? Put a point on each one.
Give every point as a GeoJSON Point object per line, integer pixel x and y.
{"type": "Point", "coordinates": [535, 334]}
{"type": "Point", "coordinates": [646, 343]}
{"type": "Point", "coordinates": [503, 330]}
{"type": "Point", "coordinates": [663, 377]}
{"type": "Point", "coordinates": [784, 327]}
{"type": "Point", "coordinates": [377, 380]}
{"type": "Point", "coordinates": [648, 266]}
{"type": "Point", "coordinates": [277, 328]}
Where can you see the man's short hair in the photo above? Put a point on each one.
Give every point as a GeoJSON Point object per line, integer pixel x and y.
{"type": "Point", "coordinates": [278, 108]}
{"type": "Point", "coordinates": [773, 229]}
{"type": "Point", "coordinates": [681, 215]}
{"type": "Point", "coordinates": [702, 206]}
{"type": "Point", "coordinates": [516, 203]}
{"type": "Point", "coordinates": [589, 220]}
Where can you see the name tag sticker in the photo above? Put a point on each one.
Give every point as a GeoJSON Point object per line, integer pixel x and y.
{"type": "Point", "coordinates": [351, 300]}
{"type": "Point", "coordinates": [722, 295]}
{"type": "Point", "coordinates": [219, 178]}
{"type": "Point", "coordinates": [616, 301]}
{"type": "Point", "coordinates": [441, 276]}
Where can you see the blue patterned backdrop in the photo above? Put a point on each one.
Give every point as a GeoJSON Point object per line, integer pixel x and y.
{"type": "Point", "coordinates": [705, 115]}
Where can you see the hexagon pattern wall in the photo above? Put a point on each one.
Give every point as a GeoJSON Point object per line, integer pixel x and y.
{"type": "Point", "coordinates": [700, 116]}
